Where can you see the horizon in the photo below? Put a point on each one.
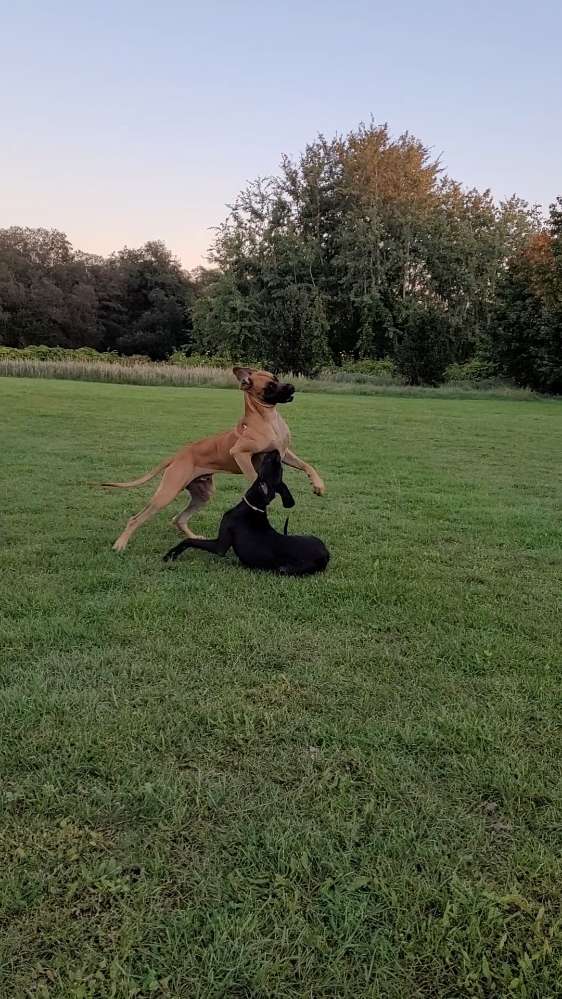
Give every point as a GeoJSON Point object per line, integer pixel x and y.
{"type": "Point", "coordinates": [127, 124]}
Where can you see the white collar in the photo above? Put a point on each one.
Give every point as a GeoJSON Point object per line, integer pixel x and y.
{"type": "Point", "coordinates": [256, 508]}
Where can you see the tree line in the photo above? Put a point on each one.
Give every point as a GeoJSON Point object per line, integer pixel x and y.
{"type": "Point", "coordinates": [362, 248]}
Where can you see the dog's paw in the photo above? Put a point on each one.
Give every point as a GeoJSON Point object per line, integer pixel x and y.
{"type": "Point", "coordinates": [319, 488]}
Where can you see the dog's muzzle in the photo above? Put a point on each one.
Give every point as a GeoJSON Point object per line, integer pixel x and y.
{"type": "Point", "coordinates": [286, 393]}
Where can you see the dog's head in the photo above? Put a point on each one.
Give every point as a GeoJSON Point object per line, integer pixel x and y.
{"type": "Point", "coordinates": [264, 386]}
{"type": "Point", "coordinates": [269, 482]}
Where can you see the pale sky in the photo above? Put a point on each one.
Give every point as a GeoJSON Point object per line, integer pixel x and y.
{"type": "Point", "coordinates": [123, 122]}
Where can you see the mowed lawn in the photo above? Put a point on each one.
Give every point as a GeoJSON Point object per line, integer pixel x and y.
{"type": "Point", "coordinates": [222, 784]}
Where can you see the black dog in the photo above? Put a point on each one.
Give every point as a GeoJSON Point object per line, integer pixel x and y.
{"type": "Point", "coordinates": [258, 545]}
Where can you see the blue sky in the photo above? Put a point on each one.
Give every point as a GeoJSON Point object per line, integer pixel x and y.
{"type": "Point", "coordinates": [123, 122]}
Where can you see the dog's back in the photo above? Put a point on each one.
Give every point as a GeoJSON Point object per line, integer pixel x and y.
{"type": "Point", "coordinates": [259, 546]}
{"type": "Point", "coordinates": [300, 554]}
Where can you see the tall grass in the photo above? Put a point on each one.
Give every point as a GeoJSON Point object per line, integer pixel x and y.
{"type": "Point", "coordinates": [209, 375]}
{"type": "Point", "coordinates": [133, 374]}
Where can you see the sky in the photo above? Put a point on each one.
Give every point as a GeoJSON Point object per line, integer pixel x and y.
{"type": "Point", "coordinates": [123, 122]}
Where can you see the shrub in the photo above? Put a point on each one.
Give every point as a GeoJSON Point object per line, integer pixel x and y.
{"type": "Point", "coordinates": [367, 371]}
{"type": "Point", "coordinates": [478, 369]}
{"type": "Point", "coordinates": [40, 352]}
{"type": "Point", "coordinates": [198, 360]}
{"type": "Point", "coordinates": [368, 366]}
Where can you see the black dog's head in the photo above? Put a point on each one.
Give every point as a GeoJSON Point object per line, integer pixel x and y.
{"type": "Point", "coordinates": [269, 482]}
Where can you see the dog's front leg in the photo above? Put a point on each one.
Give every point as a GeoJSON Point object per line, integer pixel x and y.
{"type": "Point", "coordinates": [293, 460]}
{"type": "Point", "coordinates": [243, 458]}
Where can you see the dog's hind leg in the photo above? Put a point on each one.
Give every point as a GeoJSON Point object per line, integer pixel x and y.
{"type": "Point", "coordinates": [201, 490]}
{"type": "Point", "coordinates": [172, 482]}
{"type": "Point", "coordinates": [217, 546]}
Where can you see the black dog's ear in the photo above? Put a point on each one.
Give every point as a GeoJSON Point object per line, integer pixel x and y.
{"type": "Point", "coordinates": [286, 496]}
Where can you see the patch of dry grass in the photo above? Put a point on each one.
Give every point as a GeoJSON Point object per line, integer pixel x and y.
{"type": "Point", "coordinates": [180, 376]}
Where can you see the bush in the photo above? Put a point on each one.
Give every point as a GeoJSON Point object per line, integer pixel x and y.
{"type": "Point", "coordinates": [198, 360]}
{"type": "Point", "coordinates": [478, 369]}
{"type": "Point", "coordinates": [381, 367]}
{"type": "Point", "coordinates": [367, 371]}
{"type": "Point", "coordinates": [39, 352]}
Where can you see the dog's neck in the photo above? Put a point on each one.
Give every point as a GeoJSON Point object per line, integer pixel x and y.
{"type": "Point", "coordinates": [253, 405]}
{"type": "Point", "coordinates": [258, 509]}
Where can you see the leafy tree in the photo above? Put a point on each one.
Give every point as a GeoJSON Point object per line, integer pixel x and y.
{"type": "Point", "coordinates": [527, 340]}
{"type": "Point", "coordinates": [138, 301]}
{"type": "Point", "coordinates": [423, 343]}
{"type": "Point", "coordinates": [154, 302]}
{"type": "Point", "coordinates": [45, 296]}
{"type": "Point", "coordinates": [360, 248]}
{"type": "Point", "coordinates": [375, 243]}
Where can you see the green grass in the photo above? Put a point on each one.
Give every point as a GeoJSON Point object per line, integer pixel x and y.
{"type": "Point", "coordinates": [217, 784]}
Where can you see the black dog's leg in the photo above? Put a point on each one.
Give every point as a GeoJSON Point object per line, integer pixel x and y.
{"type": "Point", "coordinates": [286, 495]}
{"type": "Point", "coordinates": [218, 546]}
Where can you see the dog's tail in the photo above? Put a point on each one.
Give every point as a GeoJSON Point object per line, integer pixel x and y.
{"type": "Point", "coordinates": [285, 528]}
{"type": "Point", "coordinates": [144, 478]}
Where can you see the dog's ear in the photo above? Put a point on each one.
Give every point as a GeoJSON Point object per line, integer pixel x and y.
{"type": "Point", "coordinates": [286, 496]}
{"type": "Point", "coordinates": [244, 376]}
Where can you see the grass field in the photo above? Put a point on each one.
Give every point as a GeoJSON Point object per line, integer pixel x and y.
{"type": "Point", "coordinates": [217, 784]}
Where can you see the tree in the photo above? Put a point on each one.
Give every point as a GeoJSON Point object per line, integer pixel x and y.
{"type": "Point", "coordinates": [45, 294]}
{"type": "Point", "coordinates": [138, 301]}
{"type": "Point", "coordinates": [527, 340]}
{"type": "Point", "coordinates": [423, 343]}
{"type": "Point", "coordinates": [374, 242]}
{"type": "Point", "coordinates": [360, 247]}
{"type": "Point", "coordinates": [154, 302]}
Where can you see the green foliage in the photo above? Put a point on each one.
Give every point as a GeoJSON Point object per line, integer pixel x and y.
{"type": "Point", "coordinates": [39, 352]}
{"type": "Point", "coordinates": [384, 367]}
{"type": "Point", "coordinates": [180, 358]}
{"type": "Point", "coordinates": [476, 371]}
{"type": "Point", "coordinates": [136, 302]}
{"type": "Point", "coordinates": [527, 340]}
{"type": "Point", "coordinates": [276, 314]}
{"type": "Point", "coordinates": [423, 344]}
{"type": "Point", "coordinates": [365, 371]}
{"type": "Point", "coordinates": [361, 247]}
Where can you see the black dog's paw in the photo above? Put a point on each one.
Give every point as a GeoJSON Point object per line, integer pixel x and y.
{"type": "Point", "coordinates": [170, 556]}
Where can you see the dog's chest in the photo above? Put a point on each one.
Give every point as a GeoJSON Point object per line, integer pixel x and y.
{"type": "Point", "coordinates": [282, 433]}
